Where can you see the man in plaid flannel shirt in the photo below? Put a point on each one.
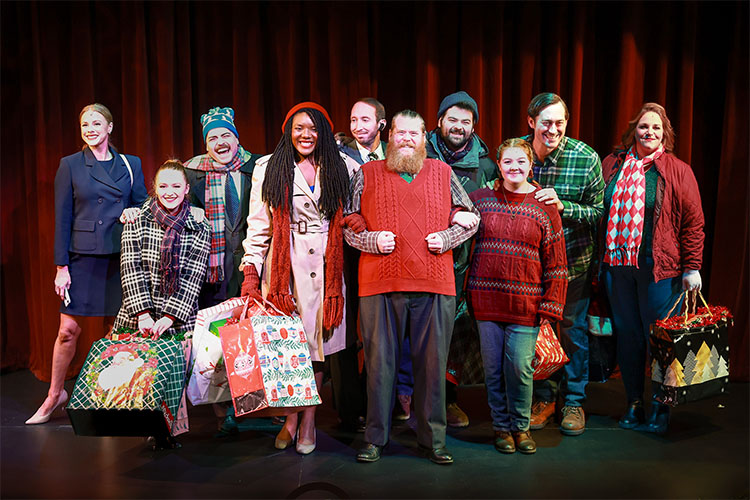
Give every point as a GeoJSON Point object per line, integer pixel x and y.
{"type": "Point", "coordinates": [570, 175]}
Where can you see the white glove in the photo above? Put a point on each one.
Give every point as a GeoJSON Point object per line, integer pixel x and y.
{"type": "Point", "coordinates": [691, 280]}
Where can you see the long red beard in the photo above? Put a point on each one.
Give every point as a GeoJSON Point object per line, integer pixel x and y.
{"type": "Point", "coordinates": [395, 161]}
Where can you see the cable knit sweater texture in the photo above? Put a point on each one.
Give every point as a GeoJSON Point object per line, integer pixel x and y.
{"type": "Point", "coordinates": [519, 269]}
{"type": "Point", "coordinates": [412, 211]}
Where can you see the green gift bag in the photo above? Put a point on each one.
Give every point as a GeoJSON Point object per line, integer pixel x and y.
{"type": "Point", "coordinates": [129, 387]}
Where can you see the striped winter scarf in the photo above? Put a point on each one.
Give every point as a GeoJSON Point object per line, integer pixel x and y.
{"type": "Point", "coordinates": [214, 205]}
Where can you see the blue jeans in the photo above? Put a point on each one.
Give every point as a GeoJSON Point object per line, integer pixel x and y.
{"type": "Point", "coordinates": [575, 341]}
{"type": "Point", "coordinates": [636, 302]}
{"type": "Point", "coordinates": [507, 352]}
{"type": "Point", "coordinates": [405, 375]}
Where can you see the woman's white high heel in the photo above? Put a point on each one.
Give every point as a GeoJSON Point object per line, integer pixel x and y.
{"type": "Point", "coordinates": [306, 449]}
{"type": "Point", "coordinates": [38, 418]}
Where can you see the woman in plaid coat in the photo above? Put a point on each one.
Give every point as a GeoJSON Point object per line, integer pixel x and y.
{"type": "Point", "coordinates": [164, 258]}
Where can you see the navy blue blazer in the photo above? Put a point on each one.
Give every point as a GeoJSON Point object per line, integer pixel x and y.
{"type": "Point", "coordinates": [89, 202]}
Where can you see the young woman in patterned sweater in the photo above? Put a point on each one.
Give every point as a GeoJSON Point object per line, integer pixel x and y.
{"type": "Point", "coordinates": [517, 282]}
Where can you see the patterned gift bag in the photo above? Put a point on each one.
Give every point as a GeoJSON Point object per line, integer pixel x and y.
{"type": "Point", "coordinates": [268, 362]}
{"type": "Point", "coordinates": [690, 353]}
{"type": "Point", "coordinates": [549, 355]}
{"type": "Point", "coordinates": [129, 388]}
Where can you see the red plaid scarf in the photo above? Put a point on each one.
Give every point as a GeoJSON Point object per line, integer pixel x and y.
{"type": "Point", "coordinates": [214, 205]}
{"type": "Point", "coordinates": [625, 221]}
{"type": "Point", "coordinates": [169, 262]}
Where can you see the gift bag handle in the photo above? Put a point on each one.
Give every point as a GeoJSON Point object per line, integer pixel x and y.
{"type": "Point", "coordinates": [260, 303]}
{"type": "Point", "coordinates": [687, 294]}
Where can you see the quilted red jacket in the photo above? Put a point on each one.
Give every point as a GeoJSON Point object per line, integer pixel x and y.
{"type": "Point", "coordinates": [678, 215]}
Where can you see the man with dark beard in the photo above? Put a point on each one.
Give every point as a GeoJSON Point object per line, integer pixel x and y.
{"type": "Point", "coordinates": [455, 142]}
{"type": "Point", "coordinates": [415, 212]}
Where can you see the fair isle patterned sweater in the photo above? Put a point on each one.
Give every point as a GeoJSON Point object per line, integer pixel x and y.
{"type": "Point", "coordinates": [518, 270]}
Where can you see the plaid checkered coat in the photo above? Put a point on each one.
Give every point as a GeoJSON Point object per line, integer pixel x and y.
{"type": "Point", "coordinates": [139, 267]}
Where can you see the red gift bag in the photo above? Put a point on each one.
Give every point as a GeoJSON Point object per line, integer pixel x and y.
{"type": "Point", "coordinates": [549, 356]}
{"type": "Point", "coordinates": [243, 363]}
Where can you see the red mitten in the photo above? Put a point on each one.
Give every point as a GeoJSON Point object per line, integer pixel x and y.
{"type": "Point", "coordinates": [355, 222]}
{"type": "Point", "coordinates": [251, 283]}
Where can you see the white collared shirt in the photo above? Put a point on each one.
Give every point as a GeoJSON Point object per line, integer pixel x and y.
{"type": "Point", "coordinates": [364, 152]}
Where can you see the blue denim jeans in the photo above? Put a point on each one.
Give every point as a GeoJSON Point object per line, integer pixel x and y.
{"type": "Point", "coordinates": [405, 374]}
{"type": "Point", "coordinates": [574, 338]}
{"type": "Point", "coordinates": [636, 302]}
{"type": "Point", "coordinates": [507, 352]}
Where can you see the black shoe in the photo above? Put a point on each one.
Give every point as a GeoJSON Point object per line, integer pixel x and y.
{"type": "Point", "coordinates": [370, 453]}
{"type": "Point", "coordinates": [438, 455]}
{"type": "Point", "coordinates": [658, 421]}
{"type": "Point", "coordinates": [634, 416]}
{"type": "Point", "coordinates": [228, 428]}
{"type": "Point", "coordinates": [356, 425]}
{"type": "Point", "coordinates": [163, 443]}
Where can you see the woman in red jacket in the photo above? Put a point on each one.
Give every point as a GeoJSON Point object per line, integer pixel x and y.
{"type": "Point", "coordinates": [517, 281]}
{"type": "Point", "coordinates": [653, 247]}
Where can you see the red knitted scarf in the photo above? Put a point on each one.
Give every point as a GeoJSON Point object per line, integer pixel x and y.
{"type": "Point", "coordinates": [279, 292]}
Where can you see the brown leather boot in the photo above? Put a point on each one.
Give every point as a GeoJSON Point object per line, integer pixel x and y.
{"type": "Point", "coordinates": [524, 442]}
{"type": "Point", "coordinates": [542, 412]}
{"type": "Point", "coordinates": [573, 422]}
{"type": "Point", "coordinates": [504, 442]}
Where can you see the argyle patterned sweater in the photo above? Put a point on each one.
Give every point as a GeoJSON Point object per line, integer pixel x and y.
{"type": "Point", "coordinates": [519, 270]}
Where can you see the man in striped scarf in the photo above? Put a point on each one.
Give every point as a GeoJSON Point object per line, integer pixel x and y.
{"type": "Point", "coordinates": [220, 183]}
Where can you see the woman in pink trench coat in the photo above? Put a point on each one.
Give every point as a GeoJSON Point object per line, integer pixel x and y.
{"type": "Point", "coordinates": [307, 166]}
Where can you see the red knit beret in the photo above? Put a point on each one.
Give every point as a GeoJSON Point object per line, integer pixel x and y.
{"type": "Point", "coordinates": [302, 105]}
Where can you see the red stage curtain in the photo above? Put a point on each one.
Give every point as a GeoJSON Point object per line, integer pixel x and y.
{"type": "Point", "coordinates": [159, 65]}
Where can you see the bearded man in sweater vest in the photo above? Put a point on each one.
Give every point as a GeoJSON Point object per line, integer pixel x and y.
{"type": "Point", "coordinates": [414, 212]}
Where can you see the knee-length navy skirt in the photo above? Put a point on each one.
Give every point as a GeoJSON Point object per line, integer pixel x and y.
{"type": "Point", "coordinates": [95, 288]}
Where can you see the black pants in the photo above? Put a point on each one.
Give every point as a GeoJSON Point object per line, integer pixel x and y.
{"type": "Point", "coordinates": [384, 320]}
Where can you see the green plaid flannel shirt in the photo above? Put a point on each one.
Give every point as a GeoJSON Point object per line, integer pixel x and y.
{"type": "Point", "coordinates": [575, 172]}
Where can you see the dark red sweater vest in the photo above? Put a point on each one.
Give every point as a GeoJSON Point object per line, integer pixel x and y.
{"type": "Point", "coordinates": [411, 211]}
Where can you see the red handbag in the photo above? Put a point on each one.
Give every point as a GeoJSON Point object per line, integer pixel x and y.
{"type": "Point", "coordinates": [549, 355]}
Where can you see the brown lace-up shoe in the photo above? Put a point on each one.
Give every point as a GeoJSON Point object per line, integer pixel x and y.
{"type": "Point", "coordinates": [456, 416]}
{"type": "Point", "coordinates": [542, 413]}
{"type": "Point", "coordinates": [504, 442]}
{"type": "Point", "coordinates": [573, 422]}
{"type": "Point", "coordinates": [524, 442]}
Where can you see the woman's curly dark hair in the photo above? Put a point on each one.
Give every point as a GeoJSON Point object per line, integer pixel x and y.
{"type": "Point", "coordinates": [334, 177]}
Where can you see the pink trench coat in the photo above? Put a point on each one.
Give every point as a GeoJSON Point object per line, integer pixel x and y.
{"type": "Point", "coordinates": [307, 255]}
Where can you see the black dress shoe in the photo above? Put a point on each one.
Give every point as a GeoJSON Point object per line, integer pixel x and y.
{"type": "Point", "coordinates": [658, 421]}
{"type": "Point", "coordinates": [370, 453]}
{"type": "Point", "coordinates": [635, 415]}
{"type": "Point", "coordinates": [438, 455]}
{"type": "Point", "coordinates": [356, 425]}
{"type": "Point", "coordinates": [228, 428]}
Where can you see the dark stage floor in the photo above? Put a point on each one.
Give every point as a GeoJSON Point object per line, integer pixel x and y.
{"type": "Point", "coordinates": [705, 455]}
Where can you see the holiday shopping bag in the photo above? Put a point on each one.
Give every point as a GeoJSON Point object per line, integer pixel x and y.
{"type": "Point", "coordinates": [598, 316]}
{"type": "Point", "coordinates": [268, 361]}
{"type": "Point", "coordinates": [207, 382]}
{"type": "Point", "coordinates": [130, 387]}
{"type": "Point", "coordinates": [690, 352]}
{"type": "Point", "coordinates": [549, 356]}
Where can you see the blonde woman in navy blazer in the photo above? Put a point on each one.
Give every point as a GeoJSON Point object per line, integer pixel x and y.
{"type": "Point", "coordinates": [93, 190]}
